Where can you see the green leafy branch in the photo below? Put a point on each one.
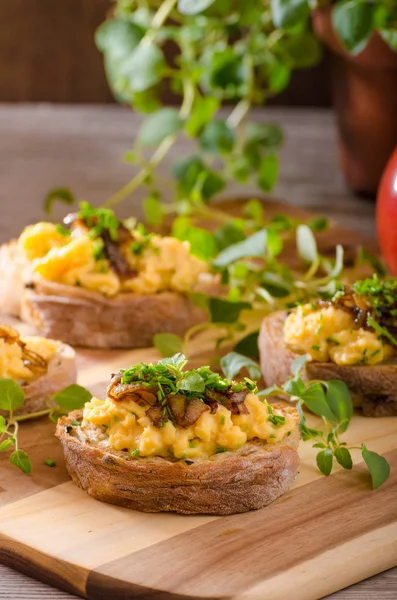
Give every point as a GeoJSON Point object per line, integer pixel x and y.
{"type": "Point", "coordinates": [12, 397]}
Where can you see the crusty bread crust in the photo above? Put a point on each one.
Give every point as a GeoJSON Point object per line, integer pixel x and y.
{"type": "Point", "coordinates": [227, 483]}
{"type": "Point", "coordinates": [86, 318]}
{"type": "Point", "coordinates": [61, 372]}
{"type": "Point", "coordinates": [373, 387]}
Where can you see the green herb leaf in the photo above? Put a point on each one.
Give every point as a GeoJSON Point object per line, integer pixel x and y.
{"type": "Point", "coordinates": [217, 137]}
{"type": "Point", "coordinates": [343, 457]}
{"type": "Point", "coordinates": [50, 462]}
{"type": "Point", "coordinates": [315, 400]}
{"type": "Point", "coordinates": [294, 387]}
{"type": "Point", "coordinates": [390, 37]}
{"type": "Point", "coordinates": [268, 172]}
{"type": "Point", "coordinates": [144, 67]}
{"type": "Point", "coordinates": [3, 424]}
{"type": "Point", "coordinates": [61, 194]}
{"type": "Point", "coordinates": [298, 364]}
{"type": "Point", "coordinates": [202, 113]}
{"type": "Point", "coordinates": [324, 461]}
{"type": "Point", "coordinates": [339, 400]}
{"type": "Point", "coordinates": [5, 444]}
{"type": "Point", "coordinates": [381, 330]}
{"type": "Point", "coordinates": [20, 459]}
{"type": "Point", "coordinates": [168, 344]}
{"type": "Point", "coordinates": [352, 20]}
{"type": "Point", "coordinates": [159, 125]}
{"type": "Point", "coordinates": [306, 244]}
{"type": "Point", "coordinates": [222, 311]}
{"type": "Point", "coordinates": [377, 465]}
{"type": "Point", "coordinates": [248, 345]}
{"type": "Point", "coordinates": [12, 395]}
{"type": "Point", "coordinates": [232, 363]}
{"type": "Point", "coordinates": [178, 361]}
{"type": "Point", "coordinates": [193, 7]}
{"type": "Point", "coordinates": [152, 210]}
{"type": "Point", "coordinates": [72, 397]}
{"type": "Point", "coordinates": [318, 223]}
{"type": "Point", "coordinates": [202, 242]}
{"type": "Point", "coordinates": [229, 234]}
{"type": "Point", "coordinates": [288, 13]}
{"type": "Point", "coordinates": [193, 382]}
{"type": "Point", "coordinates": [255, 245]}
{"type": "Point", "coordinates": [338, 267]}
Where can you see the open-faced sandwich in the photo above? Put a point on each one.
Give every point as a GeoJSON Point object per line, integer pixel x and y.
{"type": "Point", "coordinates": [165, 439]}
{"type": "Point", "coordinates": [40, 366]}
{"type": "Point", "coordinates": [349, 337]}
{"type": "Point", "coordinates": [97, 283]}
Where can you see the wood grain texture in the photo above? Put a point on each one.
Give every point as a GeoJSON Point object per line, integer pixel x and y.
{"type": "Point", "coordinates": [96, 139]}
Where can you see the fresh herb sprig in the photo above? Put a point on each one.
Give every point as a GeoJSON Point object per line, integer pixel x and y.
{"type": "Point", "coordinates": [330, 400]}
{"type": "Point", "coordinates": [12, 397]}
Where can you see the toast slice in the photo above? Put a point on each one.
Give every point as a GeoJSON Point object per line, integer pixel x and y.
{"type": "Point", "coordinates": [373, 387]}
{"type": "Point", "coordinates": [226, 483]}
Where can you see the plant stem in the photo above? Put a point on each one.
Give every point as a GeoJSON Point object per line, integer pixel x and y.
{"type": "Point", "coordinates": [34, 415]}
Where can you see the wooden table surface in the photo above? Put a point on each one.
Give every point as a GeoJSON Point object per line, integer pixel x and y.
{"type": "Point", "coordinates": [45, 146]}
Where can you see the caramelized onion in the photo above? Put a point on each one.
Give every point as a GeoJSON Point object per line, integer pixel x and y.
{"type": "Point", "coordinates": [32, 360]}
{"type": "Point", "coordinates": [136, 391]}
{"type": "Point", "coordinates": [186, 412]}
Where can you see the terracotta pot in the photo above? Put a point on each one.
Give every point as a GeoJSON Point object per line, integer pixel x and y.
{"type": "Point", "coordinates": [365, 98]}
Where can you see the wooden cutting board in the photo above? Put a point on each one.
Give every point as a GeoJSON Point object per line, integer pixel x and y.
{"type": "Point", "coordinates": [325, 534]}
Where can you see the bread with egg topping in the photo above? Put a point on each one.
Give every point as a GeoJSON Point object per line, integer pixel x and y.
{"type": "Point", "coordinates": [231, 482]}
{"type": "Point", "coordinates": [373, 387]}
{"type": "Point", "coordinates": [167, 439]}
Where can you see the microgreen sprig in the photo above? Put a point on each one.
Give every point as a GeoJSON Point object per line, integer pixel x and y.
{"type": "Point", "coordinates": [12, 397]}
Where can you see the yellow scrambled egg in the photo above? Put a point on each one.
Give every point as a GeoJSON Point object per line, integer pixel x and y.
{"type": "Point", "coordinates": [330, 334]}
{"type": "Point", "coordinates": [163, 264]}
{"type": "Point", "coordinates": [11, 361]}
{"type": "Point", "coordinates": [128, 427]}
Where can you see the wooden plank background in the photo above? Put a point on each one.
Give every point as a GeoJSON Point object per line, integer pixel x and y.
{"type": "Point", "coordinates": [48, 55]}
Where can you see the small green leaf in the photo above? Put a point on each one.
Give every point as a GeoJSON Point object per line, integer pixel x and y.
{"type": "Point", "coordinates": [61, 194]}
{"type": "Point", "coordinates": [390, 37]}
{"type": "Point", "coordinates": [270, 391]}
{"type": "Point", "coordinates": [324, 461]}
{"type": "Point", "coordinates": [288, 13]}
{"type": "Point", "coordinates": [302, 49]}
{"type": "Point", "coordinates": [298, 364]}
{"type": "Point", "coordinates": [248, 345]}
{"type": "Point", "coordinates": [159, 125]}
{"type": "Point", "coordinates": [254, 210]}
{"type": "Point", "coordinates": [255, 245]}
{"type": "Point", "coordinates": [229, 234]}
{"type": "Point", "coordinates": [217, 137]}
{"type": "Point", "coordinates": [352, 20]}
{"type": "Point", "coordinates": [307, 433]}
{"type": "Point", "coordinates": [11, 395]}
{"type": "Point", "coordinates": [72, 397]}
{"type": "Point", "coordinates": [343, 457]}
{"type": "Point", "coordinates": [377, 465]}
{"type": "Point", "coordinates": [233, 362]}
{"type": "Point", "coordinates": [319, 445]}
{"type": "Point", "coordinates": [152, 210]}
{"type": "Point", "coordinates": [222, 311]}
{"type": "Point", "coordinates": [318, 223]}
{"type": "Point", "coordinates": [306, 244]}
{"type": "Point", "coordinates": [193, 7]}
{"type": "Point", "coordinates": [6, 444]}
{"type": "Point", "coordinates": [203, 110]}
{"type": "Point", "coordinates": [3, 424]}
{"type": "Point", "coordinates": [315, 400]}
{"type": "Point", "coordinates": [168, 344]}
{"type": "Point", "coordinates": [202, 242]}
{"type": "Point", "coordinates": [144, 67]}
{"type": "Point", "coordinates": [339, 400]}
{"type": "Point", "coordinates": [268, 172]}
{"type": "Point", "coordinates": [192, 383]}
{"type": "Point", "coordinates": [294, 387]}
{"type": "Point", "coordinates": [20, 459]}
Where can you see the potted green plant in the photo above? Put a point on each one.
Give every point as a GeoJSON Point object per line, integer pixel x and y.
{"type": "Point", "coordinates": [362, 37]}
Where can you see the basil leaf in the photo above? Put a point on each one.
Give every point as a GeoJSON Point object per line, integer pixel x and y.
{"type": "Point", "coordinates": [3, 425]}
{"type": "Point", "coordinates": [233, 362]}
{"type": "Point", "coordinates": [159, 125]}
{"type": "Point", "coordinates": [352, 21]}
{"type": "Point", "coordinates": [268, 172]}
{"type": "Point", "coordinates": [298, 364]}
{"type": "Point", "coordinates": [344, 458]}
{"type": "Point", "coordinates": [6, 444]}
{"type": "Point", "coordinates": [20, 459]}
{"type": "Point", "coordinates": [288, 13]}
{"type": "Point", "coordinates": [217, 137]}
{"type": "Point", "coordinates": [61, 194]}
{"type": "Point", "coordinates": [324, 461]}
{"type": "Point", "coordinates": [248, 346]}
{"type": "Point", "coordinates": [193, 7]}
{"type": "Point", "coordinates": [11, 395]}
{"type": "Point", "coordinates": [72, 397]}
{"type": "Point", "coordinates": [339, 400]}
{"type": "Point", "coordinates": [315, 400]}
{"type": "Point", "coordinates": [255, 245]}
{"type": "Point", "coordinates": [168, 344]}
{"type": "Point", "coordinates": [377, 465]}
{"type": "Point", "coordinates": [222, 311]}
{"type": "Point", "coordinates": [306, 244]}
{"type": "Point", "coordinates": [192, 383]}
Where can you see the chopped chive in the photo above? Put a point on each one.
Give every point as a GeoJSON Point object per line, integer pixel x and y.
{"type": "Point", "coordinates": [220, 450]}
{"type": "Point", "coordinates": [222, 420]}
{"type": "Point", "coordinates": [316, 347]}
{"type": "Point", "coordinates": [134, 453]}
{"type": "Point", "coordinates": [50, 462]}
{"type": "Point", "coordinates": [75, 423]}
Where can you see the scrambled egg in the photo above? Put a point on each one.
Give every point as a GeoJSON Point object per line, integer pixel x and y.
{"type": "Point", "coordinates": [11, 361]}
{"type": "Point", "coordinates": [128, 427]}
{"type": "Point", "coordinates": [163, 263]}
{"type": "Point", "coordinates": [330, 334]}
